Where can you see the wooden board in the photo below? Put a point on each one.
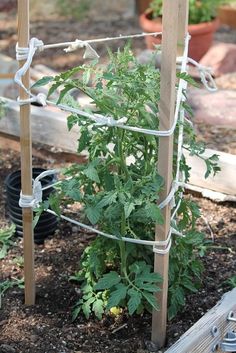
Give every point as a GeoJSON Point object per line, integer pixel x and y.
{"type": "Point", "coordinates": [26, 158]}
{"type": "Point", "coordinates": [223, 182]}
{"type": "Point", "coordinates": [199, 339]}
{"type": "Point", "coordinates": [48, 126]}
{"type": "Point", "coordinates": [172, 13]}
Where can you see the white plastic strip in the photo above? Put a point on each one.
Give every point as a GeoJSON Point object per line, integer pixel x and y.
{"type": "Point", "coordinates": [205, 74]}
{"type": "Point", "coordinates": [34, 200]}
{"type": "Point", "coordinates": [101, 40]}
{"type": "Point", "coordinates": [126, 239]}
{"type": "Point", "coordinates": [165, 251]}
{"type": "Point", "coordinates": [26, 54]}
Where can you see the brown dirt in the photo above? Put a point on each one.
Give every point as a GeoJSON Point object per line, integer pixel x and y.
{"type": "Point", "coordinates": [47, 326]}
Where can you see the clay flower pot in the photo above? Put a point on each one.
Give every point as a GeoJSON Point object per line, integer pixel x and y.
{"type": "Point", "coordinates": [201, 34]}
{"type": "Point", "coordinates": [8, 5]}
{"type": "Point", "coordinates": [142, 5]}
{"type": "Point", "coordinates": [227, 15]}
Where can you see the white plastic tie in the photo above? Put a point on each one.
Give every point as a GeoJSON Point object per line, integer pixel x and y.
{"type": "Point", "coordinates": [70, 45]}
{"type": "Point", "coordinates": [40, 98]}
{"type": "Point", "coordinates": [170, 199]}
{"type": "Point", "coordinates": [108, 120]}
{"type": "Point", "coordinates": [34, 200]}
{"type": "Point", "coordinates": [154, 243]}
{"type": "Point", "coordinates": [205, 74]}
{"type": "Point", "coordinates": [89, 53]}
{"type": "Point", "coordinates": [26, 54]}
{"type": "Point", "coordinates": [164, 251]}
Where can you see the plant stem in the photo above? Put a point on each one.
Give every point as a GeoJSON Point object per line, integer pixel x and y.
{"type": "Point", "coordinates": [123, 167]}
{"type": "Point", "coordinates": [122, 246]}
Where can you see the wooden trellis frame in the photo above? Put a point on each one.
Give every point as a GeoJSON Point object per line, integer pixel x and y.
{"type": "Point", "coordinates": [26, 159]}
{"type": "Point", "coordinates": [174, 21]}
{"type": "Point", "coordinates": [174, 31]}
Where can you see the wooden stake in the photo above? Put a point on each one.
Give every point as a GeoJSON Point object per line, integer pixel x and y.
{"type": "Point", "coordinates": [26, 160]}
{"type": "Point", "coordinates": [183, 25]}
{"type": "Point", "coordinates": [170, 39]}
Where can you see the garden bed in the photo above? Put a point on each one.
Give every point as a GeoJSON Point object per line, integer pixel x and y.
{"type": "Point", "coordinates": [47, 327]}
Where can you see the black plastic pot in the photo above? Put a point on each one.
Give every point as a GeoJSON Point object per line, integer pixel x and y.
{"type": "Point", "coordinates": [47, 223]}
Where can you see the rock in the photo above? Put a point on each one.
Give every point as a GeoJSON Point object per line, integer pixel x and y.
{"type": "Point", "coordinates": [214, 108]}
{"type": "Point", "coordinates": [5, 348]}
{"type": "Point", "coordinates": [227, 81]}
{"type": "Point", "coordinates": [147, 56]}
{"type": "Point", "coordinates": [221, 58]}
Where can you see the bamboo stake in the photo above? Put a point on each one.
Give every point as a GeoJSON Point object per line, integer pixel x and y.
{"type": "Point", "coordinates": [165, 155]}
{"type": "Point", "coordinates": [26, 160]}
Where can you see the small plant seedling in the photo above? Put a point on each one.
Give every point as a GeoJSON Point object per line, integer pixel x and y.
{"type": "Point", "coordinates": [6, 235]}
{"type": "Point", "coordinates": [8, 284]}
{"type": "Point", "coordinates": [231, 282]}
{"type": "Point", "coordinates": [18, 261]}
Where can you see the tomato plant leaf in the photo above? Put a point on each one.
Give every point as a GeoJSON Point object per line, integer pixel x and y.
{"type": "Point", "coordinates": [108, 280]}
{"type": "Point", "coordinates": [116, 296]}
{"type": "Point", "coordinates": [134, 300]}
{"type": "Point", "coordinates": [42, 82]}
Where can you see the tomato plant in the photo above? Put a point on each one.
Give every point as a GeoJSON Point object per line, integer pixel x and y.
{"type": "Point", "coordinates": [119, 185]}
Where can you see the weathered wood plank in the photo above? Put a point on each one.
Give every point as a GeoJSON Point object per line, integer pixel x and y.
{"type": "Point", "coordinates": [48, 126]}
{"type": "Point", "coordinates": [223, 182]}
{"type": "Point", "coordinates": [199, 338]}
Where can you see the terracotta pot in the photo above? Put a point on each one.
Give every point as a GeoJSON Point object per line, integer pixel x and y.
{"type": "Point", "coordinates": [227, 15]}
{"type": "Point", "coordinates": [201, 34]}
{"type": "Point", "coordinates": [8, 5]}
{"type": "Point", "coordinates": [142, 5]}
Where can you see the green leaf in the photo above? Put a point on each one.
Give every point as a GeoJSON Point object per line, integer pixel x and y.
{"type": "Point", "coordinates": [134, 300]}
{"type": "Point", "coordinates": [151, 299]}
{"type": "Point", "coordinates": [128, 208]}
{"type": "Point", "coordinates": [43, 81]}
{"type": "Point", "coordinates": [150, 287]}
{"type": "Point", "coordinates": [179, 296]}
{"type": "Point", "coordinates": [154, 213]}
{"type": "Point", "coordinates": [71, 121]}
{"type": "Point", "coordinates": [64, 92]}
{"type": "Point", "coordinates": [86, 309]}
{"type": "Point", "coordinates": [91, 173]}
{"type": "Point", "coordinates": [172, 311]}
{"type": "Point", "coordinates": [186, 77]}
{"type": "Point", "coordinates": [3, 251]}
{"type": "Point", "coordinates": [149, 277]}
{"type": "Point", "coordinates": [76, 312]}
{"type": "Point", "coordinates": [35, 220]}
{"type": "Point", "coordinates": [86, 77]}
{"type": "Point", "coordinates": [117, 296]}
{"type": "Point", "coordinates": [53, 88]}
{"type": "Point", "coordinates": [93, 214]}
{"type": "Point", "coordinates": [189, 285]}
{"type": "Point", "coordinates": [98, 308]}
{"type": "Point", "coordinates": [55, 203]}
{"type": "Point", "coordinates": [108, 199]}
{"type": "Point", "coordinates": [83, 140]}
{"type": "Point", "coordinates": [108, 281]}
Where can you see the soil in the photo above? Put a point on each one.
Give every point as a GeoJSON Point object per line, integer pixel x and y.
{"type": "Point", "coordinates": [47, 327]}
